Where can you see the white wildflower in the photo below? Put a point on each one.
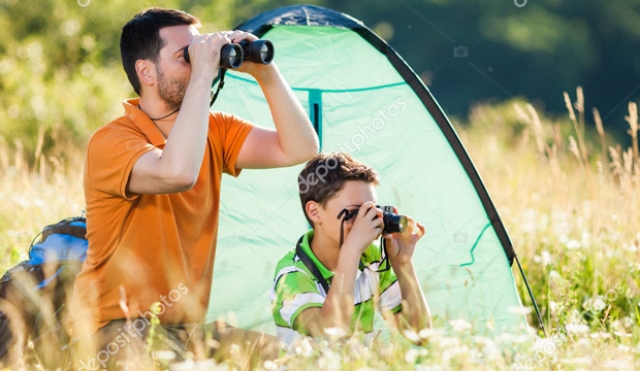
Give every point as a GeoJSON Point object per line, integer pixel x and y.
{"type": "Point", "coordinates": [270, 366]}
{"type": "Point", "coordinates": [519, 310]}
{"type": "Point", "coordinates": [411, 356]}
{"type": "Point", "coordinates": [460, 325]}
{"type": "Point", "coordinates": [447, 342]}
{"type": "Point", "coordinates": [335, 332]}
{"type": "Point", "coordinates": [573, 244]}
{"type": "Point", "coordinates": [428, 368]}
{"type": "Point", "coordinates": [546, 258]}
{"type": "Point", "coordinates": [235, 349]}
{"type": "Point", "coordinates": [598, 305]}
{"type": "Point", "coordinates": [165, 355]}
{"type": "Point", "coordinates": [491, 324]}
{"type": "Point", "coordinates": [621, 334]}
{"type": "Point", "coordinates": [554, 274]}
{"type": "Point", "coordinates": [427, 333]}
{"type": "Point", "coordinates": [304, 348]}
{"type": "Point", "coordinates": [411, 335]}
{"type": "Point", "coordinates": [329, 361]}
{"type": "Point", "coordinates": [624, 348]}
{"type": "Point", "coordinates": [577, 328]}
{"type": "Point", "coordinates": [547, 345]}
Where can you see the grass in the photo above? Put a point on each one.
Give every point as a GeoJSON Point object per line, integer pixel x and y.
{"type": "Point", "coordinates": [568, 196]}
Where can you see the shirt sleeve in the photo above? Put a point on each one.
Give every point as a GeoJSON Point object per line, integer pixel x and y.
{"type": "Point", "coordinates": [236, 131]}
{"type": "Point", "coordinates": [294, 292]}
{"type": "Point", "coordinates": [390, 294]}
{"type": "Point", "coordinates": [111, 154]}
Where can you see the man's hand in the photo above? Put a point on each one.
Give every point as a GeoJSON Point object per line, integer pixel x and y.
{"type": "Point", "coordinates": [204, 52]}
{"type": "Point", "coordinates": [400, 246]}
{"type": "Point", "coordinates": [366, 228]}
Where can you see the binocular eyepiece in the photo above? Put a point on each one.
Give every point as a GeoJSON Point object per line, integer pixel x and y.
{"type": "Point", "coordinates": [232, 55]}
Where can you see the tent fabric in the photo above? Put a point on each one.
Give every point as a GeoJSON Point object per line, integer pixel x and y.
{"type": "Point", "coordinates": [365, 100]}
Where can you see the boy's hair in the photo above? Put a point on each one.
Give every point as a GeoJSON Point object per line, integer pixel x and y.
{"type": "Point", "coordinates": [324, 176]}
{"type": "Point", "coordinates": [140, 38]}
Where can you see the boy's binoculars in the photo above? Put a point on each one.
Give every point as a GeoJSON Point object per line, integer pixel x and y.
{"type": "Point", "coordinates": [232, 55]}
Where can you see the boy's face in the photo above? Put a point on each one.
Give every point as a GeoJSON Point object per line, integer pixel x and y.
{"type": "Point", "coordinates": [351, 196]}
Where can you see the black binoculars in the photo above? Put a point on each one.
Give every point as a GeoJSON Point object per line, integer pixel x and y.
{"type": "Point", "coordinates": [232, 55]}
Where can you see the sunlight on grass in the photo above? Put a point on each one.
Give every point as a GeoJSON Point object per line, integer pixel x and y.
{"type": "Point", "coordinates": [567, 194]}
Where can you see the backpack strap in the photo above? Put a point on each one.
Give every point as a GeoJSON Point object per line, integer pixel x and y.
{"type": "Point", "coordinates": [65, 227]}
{"type": "Point", "coordinates": [312, 267]}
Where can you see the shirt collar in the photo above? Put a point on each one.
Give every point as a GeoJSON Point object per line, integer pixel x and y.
{"type": "Point", "coordinates": [306, 247]}
{"type": "Point", "coordinates": [138, 117]}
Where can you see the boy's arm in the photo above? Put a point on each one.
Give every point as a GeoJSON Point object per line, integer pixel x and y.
{"type": "Point", "coordinates": [415, 311]}
{"type": "Point", "coordinates": [337, 310]}
{"type": "Point", "coordinates": [400, 247]}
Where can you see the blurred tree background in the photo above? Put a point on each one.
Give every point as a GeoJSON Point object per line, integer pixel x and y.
{"type": "Point", "coordinates": [61, 77]}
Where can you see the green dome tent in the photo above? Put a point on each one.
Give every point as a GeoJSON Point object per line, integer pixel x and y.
{"type": "Point", "coordinates": [363, 99]}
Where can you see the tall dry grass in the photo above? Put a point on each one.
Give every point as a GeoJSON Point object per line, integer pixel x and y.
{"type": "Point", "coordinates": [567, 193]}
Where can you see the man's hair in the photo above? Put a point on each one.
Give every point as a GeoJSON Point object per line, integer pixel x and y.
{"type": "Point", "coordinates": [141, 39]}
{"type": "Point", "coordinates": [325, 175]}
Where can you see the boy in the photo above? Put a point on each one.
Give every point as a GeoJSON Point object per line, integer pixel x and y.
{"type": "Point", "coordinates": [335, 275]}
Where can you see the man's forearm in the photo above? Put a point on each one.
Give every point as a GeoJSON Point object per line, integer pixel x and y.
{"type": "Point", "coordinates": [185, 147]}
{"type": "Point", "coordinates": [414, 310]}
{"type": "Point", "coordinates": [295, 132]}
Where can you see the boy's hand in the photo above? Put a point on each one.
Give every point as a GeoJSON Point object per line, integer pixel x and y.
{"type": "Point", "coordinates": [400, 246]}
{"type": "Point", "coordinates": [366, 228]}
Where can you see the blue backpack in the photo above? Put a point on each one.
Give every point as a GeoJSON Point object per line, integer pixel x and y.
{"type": "Point", "coordinates": [34, 293]}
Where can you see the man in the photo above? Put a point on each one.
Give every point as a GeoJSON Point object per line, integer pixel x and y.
{"type": "Point", "coordinates": [152, 178]}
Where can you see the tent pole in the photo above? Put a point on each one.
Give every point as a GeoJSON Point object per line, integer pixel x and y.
{"type": "Point", "coordinates": [533, 300]}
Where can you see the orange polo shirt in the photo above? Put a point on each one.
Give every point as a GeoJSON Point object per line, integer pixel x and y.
{"type": "Point", "coordinates": [147, 248]}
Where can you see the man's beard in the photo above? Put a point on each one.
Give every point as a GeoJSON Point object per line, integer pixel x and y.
{"type": "Point", "coordinates": [171, 91]}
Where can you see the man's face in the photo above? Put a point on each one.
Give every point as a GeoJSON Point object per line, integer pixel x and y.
{"type": "Point", "coordinates": [173, 72]}
{"type": "Point", "coordinates": [350, 197]}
